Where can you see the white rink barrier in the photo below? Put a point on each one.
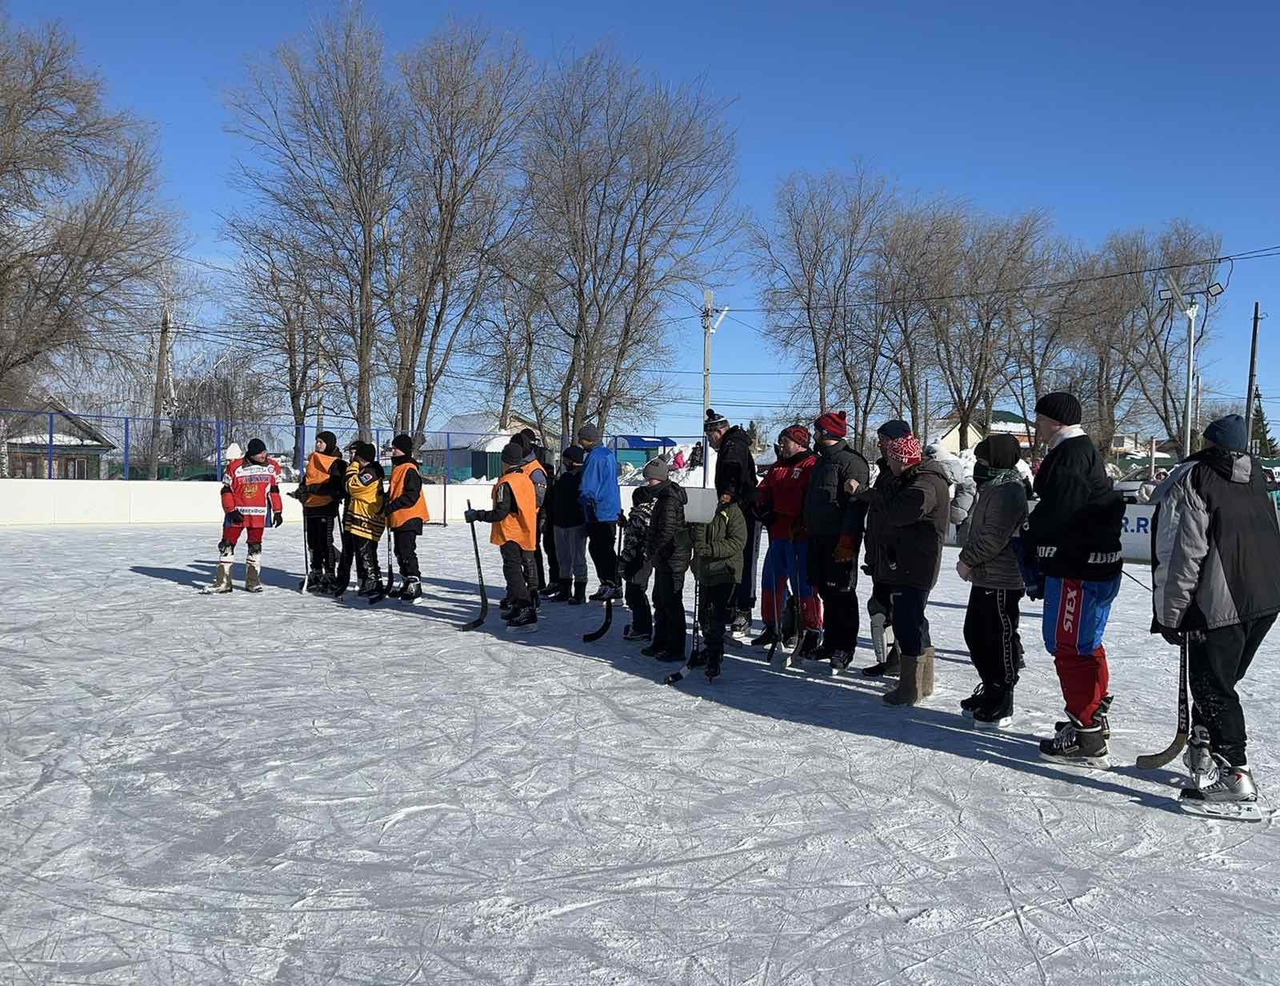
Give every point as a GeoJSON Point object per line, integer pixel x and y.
{"type": "Point", "coordinates": [40, 502]}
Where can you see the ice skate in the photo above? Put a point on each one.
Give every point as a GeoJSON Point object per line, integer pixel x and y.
{"type": "Point", "coordinates": [740, 628]}
{"type": "Point", "coordinates": [523, 618]}
{"type": "Point", "coordinates": [766, 639]}
{"type": "Point", "coordinates": [629, 632]}
{"type": "Point", "coordinates": [412, 590]}
{"type": "Point", "coordinates": [1223, 791]}
{"type": "Point", "coordinates": [974, 701]}
{"type": "Point", "coordinates": [995, 710]}
{"type": "Point", "coordinates": [606, 591]}
{"type": "Point", "coordinates": [1100, 718]}
{"type": "Point", "coordinates": [1076, 745]}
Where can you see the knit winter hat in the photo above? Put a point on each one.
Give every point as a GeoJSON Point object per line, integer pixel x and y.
{"type": "Point", "coordinates": [404, 443]}
{"type": "Point", "coordinates": [574, 455]}
{"type": "Point", "coordinates": [905, 451]}
{"type": "Point", "coordinates": [714, 421]}
{"type": "Point", "coordinates": [256, 447]}
{"type": "Point", "coordinates": [1229, 433]}
{"type": "Point", "coordinates": [366, 451]}
{"type": "Point", "coordinates": [833, 424]}
{"type": "Point", "coordinates": [656, 469]}
{"type": "Point", "coordinates": [530, 437]}
{"type": "Point", "coordinates": [330, 441]}
{"type": "Point", "coordinates": [589, 434]}
{"type": "Point", "coordinates": [998, 451]}
{"type": "Point", "coordinates": [894, 429]}
{"type": "Point", "coordinates": [1061, 407]}
{"type": "Point", "coordinates": [798, 434]}
{"type": "Point", "coordinates": [512, 454]}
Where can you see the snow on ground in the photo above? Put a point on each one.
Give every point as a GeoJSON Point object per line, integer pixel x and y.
{"type": "Point", "coordinates": [281, 789]}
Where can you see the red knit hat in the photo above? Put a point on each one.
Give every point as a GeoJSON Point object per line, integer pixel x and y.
{"type": "Point", "coordinates": [798, 434]}
{"type": "Point", "coordinates": [832, 423]}
{"type": "Point", "coordinates": [906, 450]}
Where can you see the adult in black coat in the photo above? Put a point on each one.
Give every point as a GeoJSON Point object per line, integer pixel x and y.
{"type": "Point", "coordinates": [834, 521]}
{"type": "Point", "coordinates": [736, 482]}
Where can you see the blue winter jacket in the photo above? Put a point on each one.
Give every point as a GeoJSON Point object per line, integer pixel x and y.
{"type": "Point", "coordinates": [598, 492]}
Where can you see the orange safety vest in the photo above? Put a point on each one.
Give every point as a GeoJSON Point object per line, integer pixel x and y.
{"type": "Point", "coordinates": [521, 526]}
{"type": "Point", "coordinates": [405, 514]}
{"type": "Point", "coordinates": [318, 466]}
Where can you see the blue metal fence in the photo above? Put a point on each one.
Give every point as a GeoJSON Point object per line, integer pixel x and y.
{"type": "Point", "coordinates": [52, 443]}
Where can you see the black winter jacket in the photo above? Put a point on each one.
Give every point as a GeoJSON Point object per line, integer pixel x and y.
{"type": "Point", "coordinates": [1074, 530]}
{"type": "Point", "coordinates": [735, 468]}
{"type": "Point", "coordinates": [669, 544]}
{"type": "Point", "coordinates": [910, 514]}
{"type": "Point", "coordinates": [1215, 544]}
{"type": "Point", "coordinates": [636, 532]}
{"type": "Point", "coordinates": [829, 510]}
{"type": "Point", "coordinates": [566, 510]}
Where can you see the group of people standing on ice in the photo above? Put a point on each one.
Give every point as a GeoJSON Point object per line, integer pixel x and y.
{"type": "Point", "coordinates": [1215, 558]}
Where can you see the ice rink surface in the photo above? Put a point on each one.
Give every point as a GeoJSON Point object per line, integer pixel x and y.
{"type": "Point", "coordinates": [278, 788]}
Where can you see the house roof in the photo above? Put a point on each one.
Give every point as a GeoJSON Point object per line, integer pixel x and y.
{"type": "Point", "coordinates": [69, 429]}
{"type": "Point", "coordinates": [475, 430]}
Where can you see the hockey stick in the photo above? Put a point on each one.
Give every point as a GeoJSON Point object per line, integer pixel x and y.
{"type": "Point", "coordinates": [381, 594]}
{"type": "Point", "coordinates": [778, 605]}
{"type": "Point", "coordinates": [306, 554]}
{"type": "Point", "coordinates": [1150, 761]}
{"type": "Point", "coordinates": [484, 594]}
{"type": "Point", "coordinates": [677, 676]}
{"type": "Point", "coordinates": [1135, 580]}
{"type": "Point", "coordinates": [596, 634]}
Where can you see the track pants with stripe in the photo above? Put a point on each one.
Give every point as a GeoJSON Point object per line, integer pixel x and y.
{"type": "Point", "coordinates": [1075, 618]}
{"type": "Point", "coordinates": [991, 634]}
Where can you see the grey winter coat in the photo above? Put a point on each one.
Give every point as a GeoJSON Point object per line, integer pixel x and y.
{"type": "Point", "coordinates": [998, 516]}
{"type": "Point", "coordinates": [1215, 544]}
{"type": "Point", "coordinates": [964, 491]}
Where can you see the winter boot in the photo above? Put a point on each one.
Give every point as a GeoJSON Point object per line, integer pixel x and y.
{"type": "Point", "coordinates": [810, 644]}
{"type": "Point", "coordinates": [715, 656]}
{"type": "Point", "coordinates": [926, 673]}
{"type": "Point", "coordinates": [890, 667]}
{"type": "Point", "coordinates": [222, 578]}
{"type": "Point", "coordinates": [996, 708]}
{"type": "Point", "coordinates": [1230, 792]}
{"type": "Point", "coordinates": [629, 632]}
{"type": "Point", "coordinates": [767, 638]}
{"type": "Point", "coordinates": [253, 571]}
{"type": "Point", "coordinates": [1199, 758]}
{"type": "Point", "coordinates": [411, 590]}
{"type": "Point", "coordinates": [561, 593]}
{"type": "Point", "coordinates": [840, 661]}
{"type": "Point", "coordinates": [740, 628]}
{"type": "Point", "coordinates": [579, 593]}
{"type": "Point", "coordinates": [1100, 718]}
{"type": "Point", "coordinates": [1076, 745]}
{"type": "Point", "coordinates": [910, 682]}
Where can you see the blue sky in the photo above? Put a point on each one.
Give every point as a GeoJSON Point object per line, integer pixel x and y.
{"type": "Point", "coordinates": [1111, 116]}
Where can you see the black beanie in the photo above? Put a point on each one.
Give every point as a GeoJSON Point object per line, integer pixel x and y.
{"type": "Point", "coordinates": [256, 447]}
{"type": "Point", "coordinates": [999, 451]}
{"type": "Point", "coordinates": [894, 430]}
{"type": "Point", "coordinates": [1229, 433]}
{"type": "Point", "coordinates": [366, 451]}
{"type": "Point", "coordinates": [404, 443]}
{"type": "Point", "coordinates": [330, 441]}
{"type": "Point", "coordinates": [1061, 407]}
{"type": "Point", "coordinates": [512, 454]}
{"type": "Point", "coordinates": [574, 455]}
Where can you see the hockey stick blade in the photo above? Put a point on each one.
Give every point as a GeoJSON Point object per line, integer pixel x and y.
{"type": "Point", "coordinates": [1150, 761]}
{"type": "Point", "coordinates": [595, 635]}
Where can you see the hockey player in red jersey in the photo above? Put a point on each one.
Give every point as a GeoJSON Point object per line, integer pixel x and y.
{"type": "Point", "coordinates": [250, 500]}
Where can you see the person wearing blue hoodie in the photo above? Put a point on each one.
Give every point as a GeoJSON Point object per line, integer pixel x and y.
{"type": "Point", "coordinates": [601, 505]}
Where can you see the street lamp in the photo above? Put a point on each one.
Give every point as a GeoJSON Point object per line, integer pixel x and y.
{"type": "Point", "coordinates": [1191, 309]}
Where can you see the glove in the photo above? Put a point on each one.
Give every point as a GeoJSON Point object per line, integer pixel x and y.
{"type": "Point", "coordinates": [622, 518]}
{"type": "Point", "coordinates": [1173, 637]}
{"type": "Point", "coordinates": [469, 516]}
{"type": "Point", "coordinates": [235, 517]}
{"type": "Point", "coordinates": [279, 518]}
{"type": "Point", "coordinates": [302, 490]}
{"type": "Point", "coordinates": [1035, 588]}
{"type": "Point", "coordinates": [845, 549]}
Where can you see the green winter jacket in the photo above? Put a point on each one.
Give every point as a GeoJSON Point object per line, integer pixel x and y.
{"type": "Point", "coordinates": [717, 547]}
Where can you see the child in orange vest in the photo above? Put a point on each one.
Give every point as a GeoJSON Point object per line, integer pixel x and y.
{"type": "Point", "coordinates": [406, 513]}
{"type": "Point", "coordinates": [515, 531]}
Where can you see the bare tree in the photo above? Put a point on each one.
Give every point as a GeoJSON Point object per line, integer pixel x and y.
{"type": "Point", "coordinates": [324, 127]}
{"type": "Point", "coordinates": [82, 227]}
{"type": "Point", "coordinates": [810, 259]}
{"type": "Point", "coordinates": [467, 99]}
{"type": "Point", "coordinates": [627, 187]}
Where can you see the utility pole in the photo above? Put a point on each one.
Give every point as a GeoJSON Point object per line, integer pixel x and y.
{"type": "Point", "coordinates": [708, 330]}
{"type": "Point", "coordinates": [1251, 391]}
{"type": "Point", "coordinates": [157, 394]}
{"type": "Point", "coordinates": [1196, 423]}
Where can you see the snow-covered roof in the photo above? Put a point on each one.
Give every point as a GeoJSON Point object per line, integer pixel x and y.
{"type": "Point", "coordinates": [476, 430]}
{"type": "Point", "coordinates": [58, 439]}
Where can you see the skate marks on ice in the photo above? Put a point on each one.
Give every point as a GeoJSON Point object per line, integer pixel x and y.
{"type": "Point", "coordinates": [300, 792]}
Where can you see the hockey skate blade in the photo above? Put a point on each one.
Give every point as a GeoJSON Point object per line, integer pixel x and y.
{"type": "Point", "coordinates": [992, 726]}
{"type": "Point", "coordinates": [1078, 763]}
{"type": "Point", "coordinates": [1236, 811]}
